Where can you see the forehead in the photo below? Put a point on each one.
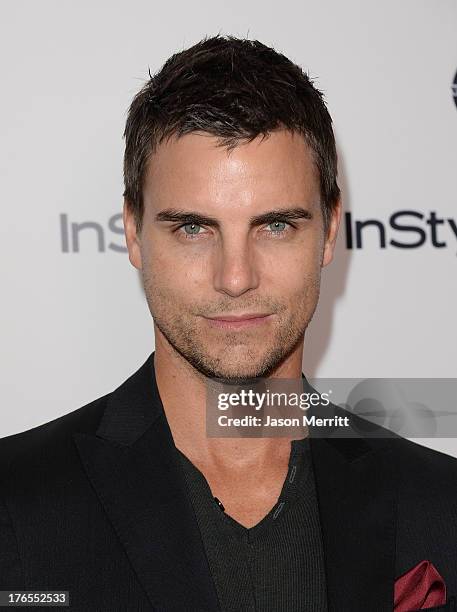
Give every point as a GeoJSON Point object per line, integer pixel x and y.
{"type": "Point", "coordinates": [280, 165]}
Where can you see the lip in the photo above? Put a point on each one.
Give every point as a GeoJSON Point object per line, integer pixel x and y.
{"type": "Point", "coordinates": [246, 315]}
{"type": "Point", "coordinates": [237, 322]}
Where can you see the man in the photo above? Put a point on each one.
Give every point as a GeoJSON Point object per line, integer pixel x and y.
{"type": "Point", "coordinates": [231, 210]}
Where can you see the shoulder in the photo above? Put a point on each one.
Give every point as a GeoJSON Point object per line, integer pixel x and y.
{"type": "Point", "coordinates": [48, 448]}
{"type": "Point", "coordinates": [417, 465]}
{"type": "Point", "coordinates": [414, 466]}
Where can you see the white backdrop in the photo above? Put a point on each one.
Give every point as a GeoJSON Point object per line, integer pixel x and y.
{"type": "Point", "coordinates": [75, 324]}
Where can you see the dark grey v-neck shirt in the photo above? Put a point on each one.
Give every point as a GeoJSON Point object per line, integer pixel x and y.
{"type": "Point", "coordinates": [275, 566]}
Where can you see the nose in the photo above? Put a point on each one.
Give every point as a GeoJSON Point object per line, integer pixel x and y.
{"type": "Point", "coordinates": [235, 268]}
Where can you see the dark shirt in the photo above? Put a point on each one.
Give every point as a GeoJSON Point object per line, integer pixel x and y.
{"type": "Point", "coordinates": [275, 566]}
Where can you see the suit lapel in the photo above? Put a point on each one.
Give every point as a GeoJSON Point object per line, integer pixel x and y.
{"type": "Point", "coordinates": [132, 464]}
{"type": "Point", "coordinates": [356, 489]}
{"type": "Point", "coordinates": [134, 470]}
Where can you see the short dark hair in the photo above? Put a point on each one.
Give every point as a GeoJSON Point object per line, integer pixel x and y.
{"type": "Point", "coordinates": [234, 89]}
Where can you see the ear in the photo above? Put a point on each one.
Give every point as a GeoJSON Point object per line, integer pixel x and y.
{"type": "Point", "coordinates": [131, 237]}
{"type": "Point", "coordinates": [332, 233]}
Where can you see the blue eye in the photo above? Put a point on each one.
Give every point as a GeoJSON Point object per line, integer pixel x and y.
{"type": "Point", "coordinates": [277, 229]}
{"type": "Point", "coordinates": [193, 226]}
{"type": "Point", "coordinates": [275, 225]}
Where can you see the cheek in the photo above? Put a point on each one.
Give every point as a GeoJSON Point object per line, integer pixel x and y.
{"type": "Point", "coordinates": [172, 278]}
{"type": "Point", "coordinates": [174, 257]}
{"type": "Point", "coordinates": [285, 269]}
{"type": "Point", "coordinates": [293, 271]}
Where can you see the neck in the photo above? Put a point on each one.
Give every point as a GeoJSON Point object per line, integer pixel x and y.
{"type": "Point", "coordinates": [183, 393]}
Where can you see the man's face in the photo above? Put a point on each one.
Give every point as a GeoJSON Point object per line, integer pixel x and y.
{"type": "Point", "coordinates": [195, 271]}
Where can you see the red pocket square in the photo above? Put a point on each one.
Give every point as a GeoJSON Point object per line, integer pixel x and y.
{"type": "Point", "coordinates": [420, 588]}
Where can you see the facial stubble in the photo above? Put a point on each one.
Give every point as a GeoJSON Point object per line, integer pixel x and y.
{"type": "Point", "coordinates": [184, 335]}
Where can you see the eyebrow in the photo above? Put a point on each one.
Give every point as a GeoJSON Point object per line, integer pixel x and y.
{"type": "Point", "coordinates": [182, 216]}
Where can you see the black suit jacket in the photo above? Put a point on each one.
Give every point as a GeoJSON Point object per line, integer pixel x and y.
{"type": "Point", "coordinates": [95, 503]}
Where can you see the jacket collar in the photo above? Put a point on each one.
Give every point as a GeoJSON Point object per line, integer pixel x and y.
{"type": "Point", "coordinates": [132, 464]}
